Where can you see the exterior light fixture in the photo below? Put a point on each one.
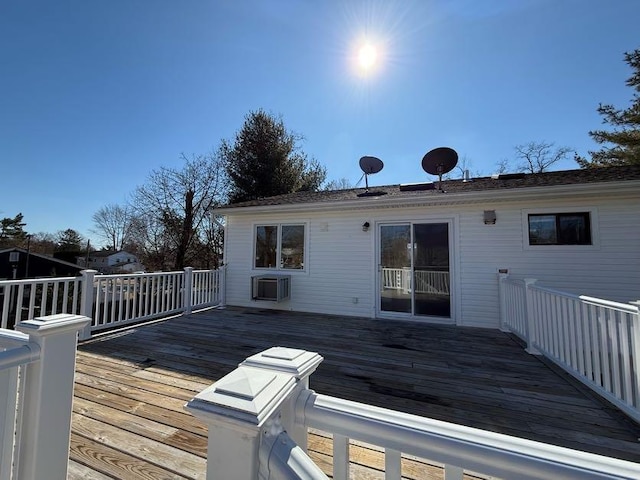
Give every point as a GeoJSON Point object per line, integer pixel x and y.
{"type": "Point", "coordinates": [489, 217]}
{"type": "Point", "coordinates": [365, 226]}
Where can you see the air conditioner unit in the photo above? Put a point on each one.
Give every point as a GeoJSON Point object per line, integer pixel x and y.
{"type": "Point", "coordinates": [275, 288]}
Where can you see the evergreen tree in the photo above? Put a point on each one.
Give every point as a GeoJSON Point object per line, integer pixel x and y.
{"type": "Point", "coordinates": [69, 241]}
{"type": "Point", "coordinates": [625, 136]}
{"type": "Point", "coordinates": [265, 160]}
{"type": "Point", "coordinates": [69, 245]}
{"type": "Point", "coordinates": [12, 232]}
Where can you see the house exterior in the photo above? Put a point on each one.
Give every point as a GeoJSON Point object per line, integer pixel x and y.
{"type": "Point", "coordinates": [36, 266]}
{"type": "Point", "coordinates": [431, 252]}
{"type": "Point", "coordinates": [108, 261]}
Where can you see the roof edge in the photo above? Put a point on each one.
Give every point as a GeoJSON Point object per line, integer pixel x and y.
{"type": "Point", "coordinates": [622, 188]}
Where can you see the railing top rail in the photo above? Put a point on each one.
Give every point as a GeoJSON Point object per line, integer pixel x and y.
{"type": "Point", "coordinates": [31, 281]}
{"type": "Point", "coordinates": [12, 338]}
{"type": "Point", "coordinates": [608, 303]}
{"type": "Point", "coordinates": [135, 275]}
{"type": "Point", "coordinates": [586, 299]}
{"type": "Point", "coordinates": [21, 355]}
{"type": "Point", "coordinates": [478, 450]}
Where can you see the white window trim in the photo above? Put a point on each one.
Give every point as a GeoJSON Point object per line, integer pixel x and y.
{"type": "Point", "coordinates": [594, 226]}
{"type": "Point", "coordinates": [279, 225]}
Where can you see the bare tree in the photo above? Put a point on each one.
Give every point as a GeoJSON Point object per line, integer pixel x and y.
{"type": "Point", "coordinates": [113, 225]}
{"type": "Point", "coordinates": [340, 184]}
{"type": "Point", "coordinates": [43, 242]}
{"type": "Point", "coordinates": [173, 207]}
{"type": "Point", "coordinates": [465, 165]}
{"type": "Point", "coordinates": [502, 166]}
{"type": "Point", "coordinates": [538, 157]}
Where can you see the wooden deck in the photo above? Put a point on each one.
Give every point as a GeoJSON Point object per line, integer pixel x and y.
{"type": "Point", "coordinates": [129, 423]}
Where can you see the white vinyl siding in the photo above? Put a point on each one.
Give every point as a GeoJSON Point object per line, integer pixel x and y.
{"type": "Point", "coordinates": [340, 275]}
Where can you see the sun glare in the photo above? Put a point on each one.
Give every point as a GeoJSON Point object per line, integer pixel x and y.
{"type": "Point", "coordinates": [367, 57]}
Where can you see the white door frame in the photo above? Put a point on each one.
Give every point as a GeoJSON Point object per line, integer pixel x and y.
{"type": "Point", "coordinates": [452, 222]}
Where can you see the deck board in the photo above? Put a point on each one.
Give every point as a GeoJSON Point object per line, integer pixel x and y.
{"type": "Point", "coordinates": [129, 422]}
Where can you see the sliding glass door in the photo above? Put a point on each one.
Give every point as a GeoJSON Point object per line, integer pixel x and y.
{"type": "Point", "coordinates": [415, 269]}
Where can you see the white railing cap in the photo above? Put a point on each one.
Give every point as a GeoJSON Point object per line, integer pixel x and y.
{"type": "Point", "coordinates": [246, 395]}
{"type": "Point", "coordinates": [57, 323]}
{"type": "Point", "coordinates": [293, 361]}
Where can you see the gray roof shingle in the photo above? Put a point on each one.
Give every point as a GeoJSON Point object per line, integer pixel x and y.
{"type": "Point", "coordinates": [509, 181]}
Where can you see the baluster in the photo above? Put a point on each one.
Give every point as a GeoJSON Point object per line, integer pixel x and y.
{"type": "Point", "coordinates": [614, 352]}
{"type": "Point", "coordinates": [65, 297]}
{"type": "Point", "coordinates": [625, 354]}
{"type": "Point", "coordinates": [340, 457]}
{"type": "Point", "coordinates": [604, 348]}
{"type": "Point", "coordinates": [54, 298]}
{"type": "Point", "coordinates": [8, 412]}
{"type": "Point", "coordinates": [392, 464]}
{"type": "Point", "coordinates": [7, 291]}
{"type": "Point", "coordinates": [127, 299]}
{"type": "Point", "coordinates": [120, 298]}
{"type": "Point", "coordinates": [452, 472]}
{"type": "Point", "coordinates": [112, 281]}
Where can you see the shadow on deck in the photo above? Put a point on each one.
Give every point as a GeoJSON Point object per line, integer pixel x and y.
{"type": "Point", "coordinates": [130, 387]}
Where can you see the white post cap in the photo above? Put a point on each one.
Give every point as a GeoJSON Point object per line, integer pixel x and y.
{"type": "Point", "coordinates": [246, 396]}
{"type": "Point", "coordinates": [298, 363]}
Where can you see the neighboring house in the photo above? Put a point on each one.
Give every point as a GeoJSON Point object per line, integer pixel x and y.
{"type": "Point", "coordinates": [37, 265]}
{"type": "Point", "coordinates": [108, 261]}
{"type": "Point", "coordinates": [413, 251]}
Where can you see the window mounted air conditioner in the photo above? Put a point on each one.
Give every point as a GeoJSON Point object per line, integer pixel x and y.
{"type": "Point", "coordinates": [275, 288]}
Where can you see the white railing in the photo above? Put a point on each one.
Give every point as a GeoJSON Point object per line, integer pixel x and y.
{"type": "Point", "coordinates": [37, 366]}
{"type": "Point", "coordinates": [426, 281]}
{"type": "Point", "coordinates": [123, 299]}
{"type": "Point", "coordinates": [207, 288]}
{"type": "Point", "coordinates": [513, 306]}
{"type": "Point", "coordinates": [266, 402]}
{"type": "Point", "coordinates": [23, 299]}
{"type": "Point", "coordinates": [596, 341]}
{"type": "Point", "coordinates": [112, 300]}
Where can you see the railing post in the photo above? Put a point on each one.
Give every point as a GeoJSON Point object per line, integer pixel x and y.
{"type": "Point", "coordinates": [635, 349]}
{"type": "Point", "coordinates": [44, 440]}
{"type": "Point", "coordinates": [530, 319]}
{"type": "Point", "coordinates": [222, 279]}
{"type": "Point", "coordinates": [241, 410]}
{"type": "Point", "coordinates": [86, 300]}
{"type": "Point", "coordinates": [188, 286]}
{"type": "Point", "coordinates": [298, 363]}
{"type": "Point", "coordinates": [502, 297]}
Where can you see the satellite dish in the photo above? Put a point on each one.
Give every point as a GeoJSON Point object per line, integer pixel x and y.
{"type": "Point", "coordinates": [439, 161]}
{"type": "Point", "coordinates": [369, 166]}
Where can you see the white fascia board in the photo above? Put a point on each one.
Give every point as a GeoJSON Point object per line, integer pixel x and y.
{"type": "Point", "coordinates": [612, 189]}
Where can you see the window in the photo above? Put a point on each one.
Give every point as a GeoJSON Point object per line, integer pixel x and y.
{"type": "Point", "coordinates": [279, 246]}
{"type": "Point", "coordinates": [560, 229]}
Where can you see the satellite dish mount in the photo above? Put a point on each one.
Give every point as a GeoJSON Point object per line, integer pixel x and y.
{"type": "Point", "coordinates": [439, 161]}
{"type": "Point", "coordinates": [369, 166]}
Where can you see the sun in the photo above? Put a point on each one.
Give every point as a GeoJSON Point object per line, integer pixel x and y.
{"type": "Point", "coordinates": [367, 57]}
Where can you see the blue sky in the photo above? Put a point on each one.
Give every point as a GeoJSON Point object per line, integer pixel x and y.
{"type": "Point", "coordinates": [94, 95]}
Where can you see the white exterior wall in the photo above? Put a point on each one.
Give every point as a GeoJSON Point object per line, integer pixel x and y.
{"type": "Point", "coordinates": [341, 270]}
{"type": "Point", "coordinates": [339, 266]}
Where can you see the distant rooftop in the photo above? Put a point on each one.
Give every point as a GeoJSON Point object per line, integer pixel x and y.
{"type": "Point", "coordinates": [502, 182]}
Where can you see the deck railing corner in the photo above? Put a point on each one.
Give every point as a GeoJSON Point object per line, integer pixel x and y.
{"type": "Point", "coordinates": [251, 418]}
{"type": "Point", "coordinates": [595, 340]}
{"type": "Point", "coordinates": [37, 377]}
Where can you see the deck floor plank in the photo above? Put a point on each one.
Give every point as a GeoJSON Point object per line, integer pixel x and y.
{"type": "Point", "coordinates": [131, 387]}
